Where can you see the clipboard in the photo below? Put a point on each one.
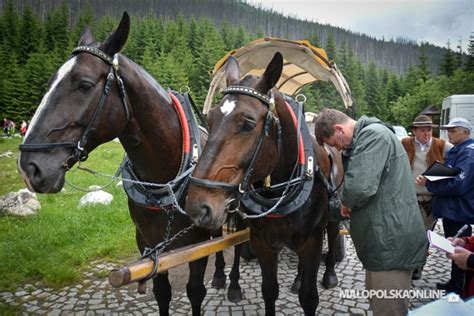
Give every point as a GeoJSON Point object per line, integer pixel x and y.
{"type": "Point", "coordinates": [439, 242]}
{"type": "Point", "coordinates": [438, 171]}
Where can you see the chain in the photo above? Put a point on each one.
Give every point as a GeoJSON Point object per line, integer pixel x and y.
{"type": "Point", "coordinates": [112, 180]}
{"type": "Point", "coordinates": [116, 177]}
{"type": "Point", "coordinates": [154, 252]}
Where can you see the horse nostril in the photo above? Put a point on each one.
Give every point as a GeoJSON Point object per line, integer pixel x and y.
{"type": "Point", "coordinates": [33, 171]}
{"type": "Point", "coordinates": [205, 212]}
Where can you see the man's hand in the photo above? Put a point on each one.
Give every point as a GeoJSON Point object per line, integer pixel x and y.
{"type": "Point", "coordinates": [457, 242]}
{"type": "Point", "coordinates": [345, 211]}
{"type": "Point", "coordinates": [460, 256]}
{"type": "Point", "coordinates": [420, 180]}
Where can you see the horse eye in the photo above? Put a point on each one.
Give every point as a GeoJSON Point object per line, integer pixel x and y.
{"type": "Point", "coordinates": [248, 126]}
{"type": "Point", "coordinates": [85, 86]}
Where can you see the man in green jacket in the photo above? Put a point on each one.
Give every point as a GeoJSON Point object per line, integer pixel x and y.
{"type": "Point", "coordinates": [379, 197]}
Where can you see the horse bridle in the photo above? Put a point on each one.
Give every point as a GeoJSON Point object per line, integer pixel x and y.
{"type": "Point", "coordinates": [270, 118]}
{"type": "Point", "coordinates": [79, 153]}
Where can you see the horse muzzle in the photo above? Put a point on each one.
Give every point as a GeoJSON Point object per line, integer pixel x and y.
{"type": "Point", "coordinates": [40, 177]}
{"type": "Point", "coordinates": [206, 213]}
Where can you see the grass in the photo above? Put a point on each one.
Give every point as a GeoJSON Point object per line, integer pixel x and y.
{"type": "Point", "coordinates": [53, 246]}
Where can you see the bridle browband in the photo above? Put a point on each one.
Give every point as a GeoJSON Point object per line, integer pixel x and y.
{"type": "Point", "coordinates": [270, 118]}
{"type": "Point", "coordinates": [79, 153]}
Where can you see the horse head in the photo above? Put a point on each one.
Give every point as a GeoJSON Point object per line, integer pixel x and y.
{"type": "Point", "coordinates": [243, 143]}
{"type": "Point", "coordinates": [83, 107]}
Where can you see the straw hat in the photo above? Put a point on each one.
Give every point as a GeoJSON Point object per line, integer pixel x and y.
{"type": "Point", "coordinates": [422, 121]}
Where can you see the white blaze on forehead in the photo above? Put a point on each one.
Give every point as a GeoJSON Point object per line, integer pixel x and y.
{"type": "Point", "coordinates": [62, 72]}
{"type": "Point", "coordinates": [227, 107]}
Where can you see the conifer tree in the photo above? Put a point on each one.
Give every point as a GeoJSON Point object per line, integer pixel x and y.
{"type": "Point", "coordinates": [372, 89]}
{"type": "Point", "coordinates": [469, 66]}
{"type": "Point", "coordinates": [423, 67]}
{"type": "Point", "coordinates": [209, 50]}
{"type": "Point", "coordinates": [13, 90]}
{"type": "Point", "coordinates": [10, 27]}
{"type": "Point", "coordinates": [331, 47]}
{"type": "Point", "coordinates": [314, 40]}
{"type": "Point", "coordinates": [104, 27]}
{"type": "Point", "coordinates": [38, 69]}
{"type": "Point", "coordinates": [448, 63]}
{"type": "Point", "coordinates": [192, 36]}
{"type": "Point", "coordinates": [57, 30]}
{"type": "Point", "coordinates": [241, 37]}
{"type": "Point", "coordinates": [31, 35]}
{"type": "Point", "coordinates": [86, 18]}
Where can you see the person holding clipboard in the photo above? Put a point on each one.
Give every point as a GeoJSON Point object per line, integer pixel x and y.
{"type": "Point", "coordinates": [423, 150]}
{"type": "Point", "coordinates": [453, 195]}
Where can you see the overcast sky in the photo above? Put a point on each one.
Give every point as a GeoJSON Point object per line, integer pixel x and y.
{"type": "Point", "coordinates": [433, 21]}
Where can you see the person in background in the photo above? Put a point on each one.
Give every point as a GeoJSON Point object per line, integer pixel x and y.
{"type": "Point", "coordinates": [379, 197]}
{"type": "Point", "coordinates": [463, 257]}
{"type": "Point", "coordinates": [23, 128]}
{"type": "Point", "coordinates": [423, 149]}
{"type": "Point", "coordinates": [6, 126]}
{"type": "Point", "coordinates": [453, 199]}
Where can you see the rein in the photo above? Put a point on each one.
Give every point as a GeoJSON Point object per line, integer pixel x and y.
{"type": "Point", "coordinates": [79, 153]}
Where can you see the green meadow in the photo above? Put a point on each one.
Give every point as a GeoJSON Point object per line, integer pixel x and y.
{"type": "Point", "coordinates": [54, 246]}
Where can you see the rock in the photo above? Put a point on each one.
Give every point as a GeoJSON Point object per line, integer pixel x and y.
{"type": "Point", "coordinates": [21, 203]}
{"type": "Point", "coordinates": [96, 197]}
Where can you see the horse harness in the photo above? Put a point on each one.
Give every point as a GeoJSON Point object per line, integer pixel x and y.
{"type": "Point", "coordinates": [161, 198]}
{"type": "Point", "coordinates": [297, 190]}
{"type": "Point", "coordinates": [79, 153]}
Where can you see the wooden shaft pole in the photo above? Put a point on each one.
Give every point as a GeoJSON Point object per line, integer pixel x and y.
{"type": "Point", "coordinates": [141, 269]}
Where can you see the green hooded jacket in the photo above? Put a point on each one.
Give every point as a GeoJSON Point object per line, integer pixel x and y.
{"type": "Point", "coordinates": [386, 225]}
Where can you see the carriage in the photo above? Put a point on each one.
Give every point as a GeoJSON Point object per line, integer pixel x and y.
{"type": "Point", "coordinates": [303, 64]}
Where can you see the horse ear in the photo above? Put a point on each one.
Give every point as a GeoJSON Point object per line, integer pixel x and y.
{"type": "Point", "coordinates": [272, 73]}
{"type": "Point", "coordinates": [86, 37]}
{"type": "Point", "coordinates": [232, 71]}
{"type": "Point", "coordinates": [116, 41]}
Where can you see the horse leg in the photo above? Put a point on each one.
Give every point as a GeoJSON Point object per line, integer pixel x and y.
{"type": "Point", "coordinates": [330, 276]}
{"type": "Point", "coordinates": [218, 281]}
{"type": "Point", "coordinates": [268, 261]}
{"type": "Point", "coordinates": [295, 287]}
{"type": "Point", "coordinates": [234, 292]}
{"type": "Point", "coordinates": [195, 288]}
{"type": "Point", "coordinates": [309, 263]}
{"type": "Point", "coordinates": [162, 292]}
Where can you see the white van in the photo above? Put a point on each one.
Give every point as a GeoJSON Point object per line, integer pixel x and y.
{"type": "Point", "coordinates": [458, 105]}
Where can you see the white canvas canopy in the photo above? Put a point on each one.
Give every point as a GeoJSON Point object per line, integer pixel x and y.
{"type": "Point", "coordinates": [303, 64]}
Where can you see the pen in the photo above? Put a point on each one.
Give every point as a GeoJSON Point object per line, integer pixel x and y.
{"type": "Point", "coordinates": [461, 230]}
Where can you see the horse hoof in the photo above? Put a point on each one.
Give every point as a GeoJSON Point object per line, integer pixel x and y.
{"type": "Point", "coordinates": [218, 282]}
{"type": "Point", "coordinates": [234, 295]}
{"type": "Point", "coordinates": [295, 288]}
{"type": "Point", "coordinates": [329, 280]}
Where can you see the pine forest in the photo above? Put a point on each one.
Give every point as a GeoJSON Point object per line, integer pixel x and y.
{"type": "Point", "coordinates": [182, 51]}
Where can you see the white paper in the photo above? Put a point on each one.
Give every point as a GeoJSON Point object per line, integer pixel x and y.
{"type": "Point", "coordinates": [436, 178]}
{"type": "Point", "coordinates": [440, 242]}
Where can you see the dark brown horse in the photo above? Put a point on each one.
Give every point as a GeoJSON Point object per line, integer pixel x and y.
{"type": "Point", "coordinates": [97, 95]}
{"type": "Point", "coordinates": [253, 139]}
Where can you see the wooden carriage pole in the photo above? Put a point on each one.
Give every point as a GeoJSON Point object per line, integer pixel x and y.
{"type": "Point", "coordinates": [141, 269]}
